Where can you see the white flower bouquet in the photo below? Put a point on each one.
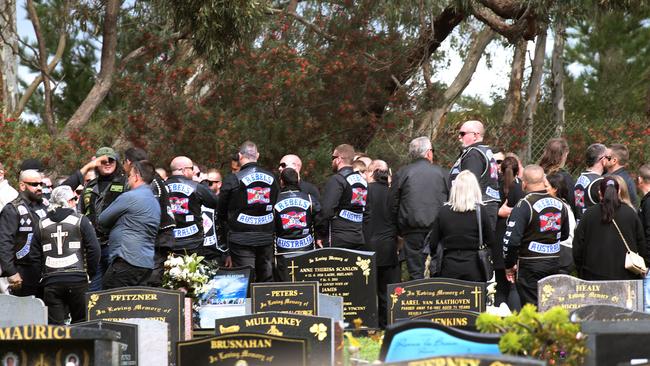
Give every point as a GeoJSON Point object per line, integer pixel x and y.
{"type": "Point", "coordinates": [185, 273]}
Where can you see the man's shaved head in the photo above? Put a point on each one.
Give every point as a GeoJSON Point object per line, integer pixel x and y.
{"type": "Point", "coordinates": [182, 165]}
{"type": "Point", "coordinates": [377, 165]}
{"type": "Point", "coordinates": [474, 125]}
{"type": "Point", "coordinates": [534, 174]}
{"type": "Point", "coordinates": [292, 161]}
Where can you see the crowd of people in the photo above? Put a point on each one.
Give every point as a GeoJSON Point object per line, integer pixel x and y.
{"type": "Point", "coordinates": [114, 222]}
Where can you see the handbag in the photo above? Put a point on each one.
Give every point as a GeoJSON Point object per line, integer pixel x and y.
{"type": "Point", "coordinates": [484, 255]}
{"type": "Point", "coordinates": [633, 262]}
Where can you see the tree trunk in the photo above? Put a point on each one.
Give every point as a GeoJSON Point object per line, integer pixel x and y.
{"type": "Point", "coordinates": [433, 118]}
{"type": "Point", "coordinates": [8, 64]}
{"type": "Point", "coordinates": [48, 115]}
{"type": "Point", "coordinates": [558, 77]}
{"type": "Point", "coordinates": [513, 96]}
{"type": "Point", "coordinates": [533, 93]}
{"type": "Point", "coordinates": [105, 78]}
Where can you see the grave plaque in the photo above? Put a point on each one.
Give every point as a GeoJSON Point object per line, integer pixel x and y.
{"type": "Point", "coordinates": [226, 295]}
{"type": "Point", "coordinates": [295, 297]}
{"type": "Point", "coordinates": [58, 345]}
{"type": "Point", "coordinates": [474, 360]}
{"type": "Point", "coordinates": [16, 310]}
{"type": "Point", "coordinates": [607, 313]}
{"type": "Point", "coordinates": [317, 331]}
{"type": "Point", "coordinates": [415, 298]}
{"type": "Point", "coordinates": [461, 319]}
{"type": "Point", "coordinates": [350, 274]}
{"type": "Point", "coordinates": [140, 302]}
{"type": "Point", "coordinates": [128, 337]}
{"type": "Point", "coordinates": [243, 349]}
{"type": "Point", "coordinates": [416, 339]}
{"type": "Point", "coordinates": [616, 343]}
{"type": "Point", "coordinates": [572, 293]}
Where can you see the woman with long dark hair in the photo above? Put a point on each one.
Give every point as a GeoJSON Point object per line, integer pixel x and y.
{"type": "Point", "coordinates": [553, 160]}
{"type": "Point", "coordinates": [558, 189]}
{"type": "Point", "coordinates": [598, 243]}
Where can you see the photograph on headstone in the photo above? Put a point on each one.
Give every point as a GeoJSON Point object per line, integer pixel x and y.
{"type": "Point", "coordinates": [317, 331]}
{"type": "Point", "coordinates": [58, 345]}
{"type": "Point", "coordinates": [573, 293]}
{"type": "Point", "coordinates": [227, 290]}
{"type": "Point", "coordinates": [350, 274]}
{"type": "Point", "coordinates": [297, 297]}
{"type": "Point", "coordinates": [414, 298]}
{"type": "Point", "coordinates": [416, 339]}
{"type": "Point", "coordinates": [17, 310]}
{"type": "Point", "coordinates": [241, 349]}
{"type": "Point", "coordinates": [473, 360]}
{"type": "Point", "coordinates": [128, 337]}
{"type": "Point", "coordinates": [140, 302]}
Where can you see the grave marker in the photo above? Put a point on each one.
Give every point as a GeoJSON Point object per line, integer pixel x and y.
{"type": "Point", "coordinates": [460, 319]}
{"type": "Point", "coordinates": [294, 297]}
{"type": "Point", "coordinates": [227, 295]}
{"type": "Point", "coordinates": [482, 360]}
{"type": "Point", "coordinates": [128, 337]}
{"type": "Point", "coordinates": [16, 310]}
{"type": "Point", "coordinates": [607, 313]}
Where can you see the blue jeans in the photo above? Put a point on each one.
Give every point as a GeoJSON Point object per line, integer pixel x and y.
{"type": "Point", "coordinates": [96, 281]}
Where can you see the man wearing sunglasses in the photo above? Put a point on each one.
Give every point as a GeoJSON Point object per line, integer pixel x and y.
{"type": "Point", "coordinates": [478, 158]}
{"type": "Point", "coordinates": [294, 162]}
{"type": "Point", "coordinates": [18, 222]}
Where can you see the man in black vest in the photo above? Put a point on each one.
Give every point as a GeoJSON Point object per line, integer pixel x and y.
{"type": "Point", "coordinates": [478, 159]}
{"type": "Point", "coordinates": [246, 213]}
{"type": "Point", "coordinates": [186, 197]}
{"type": "Point", "coordinates": [343, 204]}
{"type": "Point", "coordinates": [535, 228]}
{"type": "Point", "coordinates": [643, 180]}
{"type": "Point", "coordinates": [585, 191]}
{"type": "Point", "coordinates": [294, 220]}
{"type": "Point", "coordinates": [69, 253]}
{"type": "Point", "coordinates": [18, 223]}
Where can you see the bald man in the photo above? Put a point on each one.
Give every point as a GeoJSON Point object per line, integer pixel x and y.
{"type": "Point", "coordinates": [479, 159]}
{"type": "Point", "coordinates": [293, 161]}
{"type": "Point", "coordinates": [531, 244]}
{"type": "Point", "coordinates": [186, 197]}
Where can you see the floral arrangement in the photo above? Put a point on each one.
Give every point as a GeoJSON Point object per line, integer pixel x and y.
{"type": "Point", "coordinates": [186, 273]}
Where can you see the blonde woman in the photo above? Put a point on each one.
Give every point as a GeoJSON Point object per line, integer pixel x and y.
{"type": "Point", "coordinates": [456, 229]}
{"type": "Point", "coordinates": [623, 192]}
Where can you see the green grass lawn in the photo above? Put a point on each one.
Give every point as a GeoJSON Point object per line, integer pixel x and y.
{"type": "Point", "coordinates": [368, 350]}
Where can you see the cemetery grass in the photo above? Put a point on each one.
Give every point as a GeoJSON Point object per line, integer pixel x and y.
{"type": "Point", "coordinates": [368, 349]}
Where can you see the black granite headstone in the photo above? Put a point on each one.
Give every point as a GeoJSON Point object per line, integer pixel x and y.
{"type": "Point", "coordinates": [473, 360]}
{"type": "Point", "coordinates": [606, 313]}
{"type": "Point", "coordinates": [350, 274]}
{"type": "Point", "coordinates": [415, 298]}
{"type": "Point", "coordinates": [317, 331]}
{"type": "Point", "coordinates": [140, 302]}
{"type": "Point", "coordinates": [417, 339]}
{"type": "Point", "coordinates": [243, 349]}
{"type": "Point", "coordinates": [572, 293]}
{"type": "Point", "coordinates": [128, 337]}
{"type": "Point", "coordinates": [461, 319]}
{"type": "Point", "coordinates": [294, 297]}
{"type": "Point", "coordinates": [616, 343]}
{"type": "Point", "coordinates": [58, 345]}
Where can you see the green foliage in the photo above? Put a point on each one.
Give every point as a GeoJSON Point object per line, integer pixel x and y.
{"type": "Point", "coordinates": [548, 336]}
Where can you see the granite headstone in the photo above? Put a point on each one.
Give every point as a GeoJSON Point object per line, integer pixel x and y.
{"type": "Point", "coordinates": [153, 341]}
{"type": "Point", "coordinates": [572, 293]}
{"type": "Point", "coordinates": [317, 331]}
{"type": "Point", "coordinates": [330, 307]}
{"type": "Point", "coordinates": [350, 274]}
{"type": "Point", "coordinates": [128, 337]}
{"type": "Point", "coordinates": [241, 349]}
{"type": "Point", "coordinates": [58, 345]}
{"type": "Point", "coordinates": [616, 343]}
{"type": "Point", "coordinates": [414, 298]}
{"type": "Point", "coordinates": [418, 339]}
{"type": "Point", "coordinates": [288, 297]}
{"type": "Point", "coordinates": [607, 313]}
{"type": "Point", "coordinates": [16, 310]}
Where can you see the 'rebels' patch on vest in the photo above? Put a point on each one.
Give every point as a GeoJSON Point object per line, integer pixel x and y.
{"type": "Point", "coordinates": [258, 195]}
{"type": "Point", "coordinates": [294, 219]}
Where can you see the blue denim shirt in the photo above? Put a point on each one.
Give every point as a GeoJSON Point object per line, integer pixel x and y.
{"type": "Point", "coordinates": [133, 220]}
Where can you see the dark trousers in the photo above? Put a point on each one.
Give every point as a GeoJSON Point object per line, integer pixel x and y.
{"type": "Point", "coordinates": [57, 296]}
{"type": "Point", "coordinates": [492, 210]}
{"type": "Point", "coordinates": [159, 258]}
{"type": "Point", "coordinates": [279, 269]}
{"type": "Point", "coordinates": [96, 281]}
{"type": "Point", "coordinates": [530, 271]}
{"type": "Point", "coordinates": [257, 257]}
{"type": "Point", "coordinates": [415, 260]}
{"type": "Point", "coordinates": [461, 265]}
{"type": "Point", "coordinates": [31, 275]}
{"type": "Point", "coordinates": [386, 275]}
{"type": "Point", "coordinates": [122, 274]}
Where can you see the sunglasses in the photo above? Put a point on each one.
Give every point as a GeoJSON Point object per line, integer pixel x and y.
{"type": "Point", "coordinates": [34, 184]}
{"type": "Point", "coordinates": [108, 162]}
{"type": "Point", "coordinates": [463, 133]}
{"type": "Point", "coordinates": [282, 165]}
{"type": "Point", "coordinates": [75, 198]}
{"type": "Point", "coordinates": [335, 157]}
{"type": "Point", "coordinates": [211, 182]}
{"type": "Point", "coordinates": [499, 161]}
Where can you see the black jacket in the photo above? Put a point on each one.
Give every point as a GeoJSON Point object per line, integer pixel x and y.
{"type": "Point", "coordinates": [644, 215]}
{"type": "Point", "coordinates": [90, 246]}
{"type": "Point", "coordinates": [417, 192]}
{"type": "Point", "coordinates": [381, 233]}
{"type": "Point", "coordinates": [599, 251]}
{"type": "Point", "coordinates": [98, 194]}
{"type": "Point", "coordinates": [459, 230]}
{"type": "Point", "coordinates": [309, 189]}
{"type": "Point", "coordinates": [631, 186]}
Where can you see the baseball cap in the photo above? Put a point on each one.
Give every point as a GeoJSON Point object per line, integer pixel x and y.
{"type": "Point", "coordinates": [31, 164]}
{"type": "Point", "coordinates": [108, 151]}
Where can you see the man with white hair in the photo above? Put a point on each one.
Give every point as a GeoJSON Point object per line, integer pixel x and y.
{"type": "Point", "coordinates": [246, 213]}
{"type": "Point", "coordinates": [18, 222]}
{"type": "Point", "coordinates": [416, 195]}
{"type": "Point", "coordinates": [69, 255]}
{"type": "Point", "coordinates": [293, 161]}
{"type": "Point", "coordinates": [479, 159]}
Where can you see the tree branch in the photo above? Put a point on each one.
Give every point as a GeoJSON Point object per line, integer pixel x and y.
{"type": "Point", "coordinates": [511, 31]}
{"type": "Point", "coordinates": [305, 22]}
